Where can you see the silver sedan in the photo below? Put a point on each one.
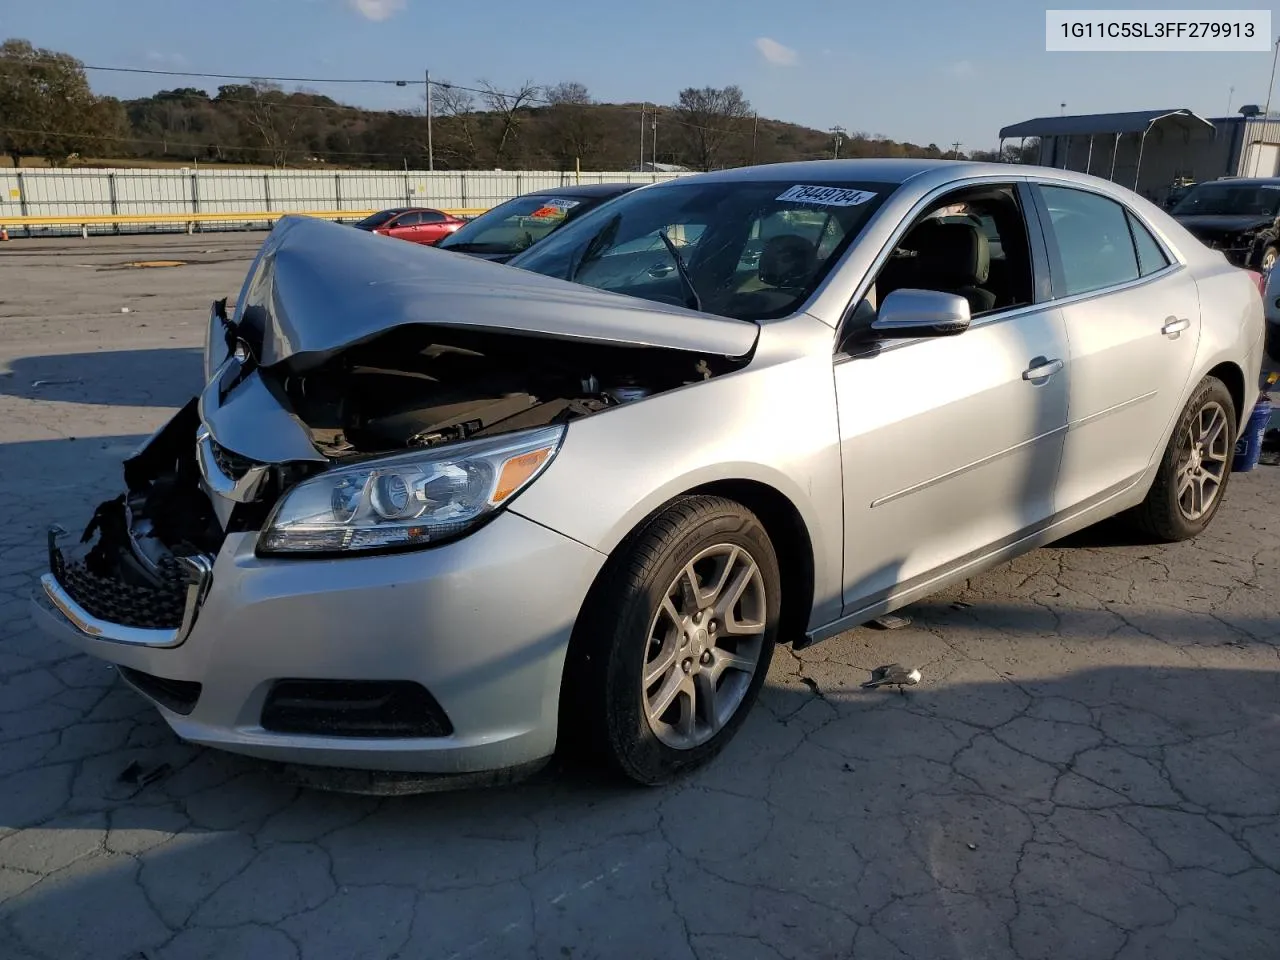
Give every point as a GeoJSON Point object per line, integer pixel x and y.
{"type": "Point", "coordinates": [441, 516]}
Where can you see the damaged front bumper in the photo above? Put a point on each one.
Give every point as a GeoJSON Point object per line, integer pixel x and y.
{"type": "Point", "coordinates": [439, 661]}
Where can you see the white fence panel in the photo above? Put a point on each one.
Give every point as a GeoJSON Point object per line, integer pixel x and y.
{"type": "Point", "coordinates": [149, 193]}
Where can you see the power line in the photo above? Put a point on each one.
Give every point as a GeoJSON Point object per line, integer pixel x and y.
{"type": "Point", "coordinates": [479, 91]}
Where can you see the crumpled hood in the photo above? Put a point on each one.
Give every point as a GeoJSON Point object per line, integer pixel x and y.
{"type": "Point", "coordinates": [318, 287]}
{"type": "Point", "coordinates": [1219, 224]}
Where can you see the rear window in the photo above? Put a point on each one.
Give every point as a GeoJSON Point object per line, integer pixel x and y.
{"type": "Point", "coordinates": [376, 219]}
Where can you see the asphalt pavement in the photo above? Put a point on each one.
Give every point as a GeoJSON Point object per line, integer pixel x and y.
{"type": "Point", "coordinates": [1090, 768]}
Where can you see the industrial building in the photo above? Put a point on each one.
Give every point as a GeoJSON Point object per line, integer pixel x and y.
{"type": "Point", "coordinates": [1151, 150]}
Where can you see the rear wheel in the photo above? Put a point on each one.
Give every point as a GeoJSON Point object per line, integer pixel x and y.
{"type": "Point", "coordinates": [674, 646]}
{"type": "Point", "coordinates": [1269, 256]}
{"type": "Point", "coordinates": [1193, 476]}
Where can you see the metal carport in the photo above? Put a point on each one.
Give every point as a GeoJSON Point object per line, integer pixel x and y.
{"type": "Point", "coordinates": [1116, 125]}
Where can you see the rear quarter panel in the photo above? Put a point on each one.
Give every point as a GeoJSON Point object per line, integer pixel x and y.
{"type": "Point", "coordinates": [1232, 321]}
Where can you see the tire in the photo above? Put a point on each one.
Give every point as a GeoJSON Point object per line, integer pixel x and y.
{"type": "Point", "coordinates": [1164, 514]}
{"type": "Point", "coordinates": [626, 630]}
{"type": "Point", "coordinates": [1268, 259]}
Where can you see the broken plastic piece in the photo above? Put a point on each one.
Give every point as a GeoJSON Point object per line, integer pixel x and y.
{"type": "Point", "coordinates": [891, 621]}
{"type": "Point", "coordinates": [894, 675]}
{"type": "Point", "coordinates": [130, 773]}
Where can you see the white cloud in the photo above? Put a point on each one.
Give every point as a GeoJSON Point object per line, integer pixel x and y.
{"type": "Point", "coordinates": [377, 9]}
{"type": "Point", "coordinates": [961, 68]}
{"type": "Point", "coordinates": [775, 52]}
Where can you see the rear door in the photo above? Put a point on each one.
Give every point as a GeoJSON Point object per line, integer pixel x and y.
{"type": "Point", "coordinates": [1132, 314]}
{"type": "Point", "coordinates": [431, 228]}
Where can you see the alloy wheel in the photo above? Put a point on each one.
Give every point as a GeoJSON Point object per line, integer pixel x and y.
{"type": "Point", "coordinates": [1204, 461]}
{"type": "Point", "coordinates": [703, 646]}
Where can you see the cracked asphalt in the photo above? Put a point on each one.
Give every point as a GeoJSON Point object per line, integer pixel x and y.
{"type": "Point", "coordinates": [1090, 769]}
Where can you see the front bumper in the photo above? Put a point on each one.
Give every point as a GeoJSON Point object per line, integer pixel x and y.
{"type": "Point", "coordinates": [482, 623]}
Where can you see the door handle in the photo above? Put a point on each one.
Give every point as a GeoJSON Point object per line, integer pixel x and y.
{"type": "Point", "coordinates": [1041, 369]}
{"type": "Point", "coordinates": [1173, 326]}
{"type": "Point", "coordinates": [660, 270]}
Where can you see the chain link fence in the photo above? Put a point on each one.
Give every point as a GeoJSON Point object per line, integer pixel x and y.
{"type": "Point", "coordinates": [164, 199]}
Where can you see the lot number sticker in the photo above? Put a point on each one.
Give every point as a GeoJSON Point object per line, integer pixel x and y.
{"type": "Point", "coordinates": [826, 196]}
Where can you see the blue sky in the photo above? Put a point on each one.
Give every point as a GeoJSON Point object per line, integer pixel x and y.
{"type": "Point", "coordinates": [922, 70]}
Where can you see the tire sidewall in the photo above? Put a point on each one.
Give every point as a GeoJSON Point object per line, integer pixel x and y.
{"type": "Point", "coordinates": [1214, 390]}
{"type": "Point", "coordinates": [633, 742]}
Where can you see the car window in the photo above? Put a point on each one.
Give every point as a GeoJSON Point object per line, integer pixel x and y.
{"type": "Point", "coordinates": [430, 216]}
{"type": "Point", "coordinates": [1094, 246]}
{"type": "Point", "coordinates": [750, 249]}
{"type": "Point", "coordinates": [407, 220]}
{"type": "Point", "coordinates": [971, 243]}
{"type": "Point", "coordinates": [375, 219]}
{"type": "Point", "coordinates": [1150, 257]}
{"type": "Point", "coordinates": [517, 224]}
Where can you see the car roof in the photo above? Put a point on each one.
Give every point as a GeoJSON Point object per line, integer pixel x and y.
{"type": "Point", "coordinates": [585, 190]}
{"type": "Point", "coordinates": [1247, 181]}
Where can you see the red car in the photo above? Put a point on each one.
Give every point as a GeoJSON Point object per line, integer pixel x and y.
{"type": "Point", "coordinates": [415, 224]}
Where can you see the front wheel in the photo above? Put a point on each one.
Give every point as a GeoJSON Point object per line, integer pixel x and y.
{"type": "Point", "coordinates": [1269, 256]}
{"type": "Point", "coordinates": [676, 641]}
{"type": "Point", "coordinates": [1193, 476]}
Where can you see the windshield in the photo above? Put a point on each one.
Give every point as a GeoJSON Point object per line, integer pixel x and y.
{"type": "Point", "coordinates": [376, 219]}
{"type": "Point", "coordinates": [517, 224]}
{"type": "Point", "coordinates": [752, 250]}
{"type": "Point", "coordinates": [1231, 199]}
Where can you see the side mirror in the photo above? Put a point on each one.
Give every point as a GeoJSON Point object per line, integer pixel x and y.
{"type": "Point", "coordinates": [905, 314]}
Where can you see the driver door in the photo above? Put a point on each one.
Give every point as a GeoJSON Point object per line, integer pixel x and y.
{"type": "Point", "coordinates": [951, 446]}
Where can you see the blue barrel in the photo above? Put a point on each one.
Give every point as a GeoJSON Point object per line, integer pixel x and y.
{"type": "Point", "coordinates": [1249, 446]}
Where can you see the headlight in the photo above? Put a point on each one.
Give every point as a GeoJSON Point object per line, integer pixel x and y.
{"type": "Point", "coordinates": [410, 499]}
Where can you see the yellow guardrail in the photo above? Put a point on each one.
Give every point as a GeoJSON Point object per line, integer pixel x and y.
{"type": "Point", "coordinates": [84, 221]}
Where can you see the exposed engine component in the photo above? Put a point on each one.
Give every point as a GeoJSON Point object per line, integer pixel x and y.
{"type": "Point", "coordinates": [419, 387]}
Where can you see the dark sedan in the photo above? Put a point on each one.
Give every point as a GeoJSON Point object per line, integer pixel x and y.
{"type": "Point", "coordinates": [1239, 216]}
{"type": "Point", "coordinates": [514, 226]}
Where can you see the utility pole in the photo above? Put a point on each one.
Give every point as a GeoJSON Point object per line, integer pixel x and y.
{"type": "Point", "coordinates": [642, 116]}
{"type": "Point", "coordinates": [431, 153]}
{"type": "Point", "coordinates": [1231, 95]}
{"type": "Point", "coordinates": [956, 148]}
{"type": "Point", "coordinates": [655, 138]}
{"type": "Point", "coordinates": [755, 134]}
{"type": "Point", "coordinates": [1062, 109]}
{"type": "Point", "coordinates": [1266, 113]}
{"type": "Point", "coordinates": [838, 132]}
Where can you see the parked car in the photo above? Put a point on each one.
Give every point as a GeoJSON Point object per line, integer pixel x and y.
{"type": "Point", "coordinates": [415, 224]}
{"type": "Point", "coordinates": [433, 514]}
{"type": "Point", "coordinates": [1271, 310]}
{"type": "Point", "coordinates": [1239, 216]}
{"type": "Point", "coordinates": [512, 227]}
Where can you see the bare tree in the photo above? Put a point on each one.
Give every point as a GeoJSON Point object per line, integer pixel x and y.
{"type": "Point", "coordinates": [506, 105]}
{"type": "Point", "coordinates": [457, 138]}
{"type": "Point", "coordinates": [576, 128]}
{"type": "Point", "coordinates": [711, 117]}
{"type": "Point", "coordinates": [274, 119]}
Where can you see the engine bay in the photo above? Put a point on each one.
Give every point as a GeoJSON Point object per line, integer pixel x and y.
{"type": "Point", "coordinates": [423, 386]}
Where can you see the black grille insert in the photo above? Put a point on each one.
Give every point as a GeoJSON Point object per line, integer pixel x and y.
{"type": "Point", "coordinates": [157, 607]}
{"type": "Point", "coordinates": [354, 708]}
{"type": "Point", "coordinates": [180, 696]}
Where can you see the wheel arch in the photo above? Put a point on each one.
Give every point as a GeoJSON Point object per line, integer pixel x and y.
{"type": "Point", "coordinates": [1233, 378]}
{"type": "Point", "coordinates": [786, 529]}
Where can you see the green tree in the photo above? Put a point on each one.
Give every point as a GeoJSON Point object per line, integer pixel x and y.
{"type": "Point", "coordinates": [46, 106]}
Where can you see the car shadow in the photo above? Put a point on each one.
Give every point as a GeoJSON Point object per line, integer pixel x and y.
{"type": "Point", "coordinates": [159, 377]}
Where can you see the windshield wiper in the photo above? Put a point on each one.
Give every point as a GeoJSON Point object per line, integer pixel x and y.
{"type": "Point", "coordinates": [596, 245]}
{"type": "Point", "coordinates": [682, 270]}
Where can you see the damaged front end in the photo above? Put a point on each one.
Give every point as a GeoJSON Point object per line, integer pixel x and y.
{"type": "Point", "coordinates": [349, 356]}
{"type": "Point", "coordinates": [144, 563]}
